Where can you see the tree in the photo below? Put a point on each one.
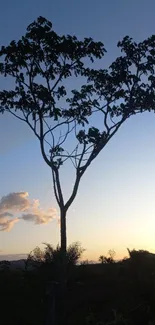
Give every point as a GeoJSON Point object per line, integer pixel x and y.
{"type": "Point", "coordinates": [51, 256]}
{"type": "Point", "coordinates": [111, 254]}
{"type": "Point", "coordinates": [138, 253]}
{"type": "Point", "coordinates": [43, 65]}
{"type": "Point", "coordinates": [101, 259]}
{"type": "Point", "coordinates": [35, 258]}
{"type": "Point", "coordinates": [107, 260]}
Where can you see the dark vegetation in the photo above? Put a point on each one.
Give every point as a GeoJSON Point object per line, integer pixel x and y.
{"type": "Point", "coordinates": [107, 293]}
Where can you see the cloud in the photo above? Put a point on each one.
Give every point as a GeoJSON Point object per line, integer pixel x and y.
{"type": "Point", "coordinates": [15, 202]}
{"type": "Point", "coordinates": [7, 224]}
{"type": "Point", "coordinates": [20, 203]}
{"type": "Point", "coordinates": [39, 216]}
{"type": "Point", "coordinates": [9, 204]}
{"type": "Point", "coordinates": [6, 214]}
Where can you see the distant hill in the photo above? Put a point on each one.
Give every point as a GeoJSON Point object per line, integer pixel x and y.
{"type": "Point", "coordinates": [13, 265]}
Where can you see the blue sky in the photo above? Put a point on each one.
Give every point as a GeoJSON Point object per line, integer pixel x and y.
{"type": "Point", "coordinates": [115, 205]}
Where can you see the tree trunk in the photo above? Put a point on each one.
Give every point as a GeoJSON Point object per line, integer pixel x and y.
{"type": "Point", "coordinates": [63, 248]}
{"type": "Point", "coordinates": [63, 230]}
{"type": "Point", "coordinates": [63, 270]}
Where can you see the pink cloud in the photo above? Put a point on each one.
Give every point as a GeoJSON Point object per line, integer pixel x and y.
{"type": "Point", "coordinates": [19, 202]}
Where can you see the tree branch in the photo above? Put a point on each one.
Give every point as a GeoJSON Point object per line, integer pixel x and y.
{"type": "Point", "coordinates": [56, 126]}
{"type": "Point", "coordinates": [57, 182]}
{"type": "Point", "coordinates": [101, 145]}
{"type": "Point", "coordinates": [54, 186]}
{"type": "Point", "coordinates": [74, 192]}
{"type": "Point", "coordinates": [41, 138]}
{"type": "Point", "coordinates": [20, 118]}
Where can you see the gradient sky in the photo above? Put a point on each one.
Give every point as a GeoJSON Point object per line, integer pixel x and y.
{"type": "Point", "coordinates": [115, 206]}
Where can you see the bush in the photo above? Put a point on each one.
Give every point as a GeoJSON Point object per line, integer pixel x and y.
{"type": "Point", "coordinates": [53, 256]}
{"type": "Point", "coordinates": [107, 259]}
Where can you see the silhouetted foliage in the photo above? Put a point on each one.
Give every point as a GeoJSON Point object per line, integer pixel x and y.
{"type": "Point", "coordinates": [85, 262]}
{"type": "Point", "coordinates": [97, 294]}
{"type": "Point", "coordinates": [136, 254]}
{"type": "Point", "coordinates": [53, 256]}
{"type": "Point", "coordinates": [107, 259]}
{"type": "Point", "coordinates": [118, 319]}
{"type": "Point", "coordinates": [35, 258]}
{"type": "Point", "coordinates": [4, 265]}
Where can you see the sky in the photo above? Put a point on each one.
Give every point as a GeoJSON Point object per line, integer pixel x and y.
{"type": "Point", "coordinates": [115, 206]}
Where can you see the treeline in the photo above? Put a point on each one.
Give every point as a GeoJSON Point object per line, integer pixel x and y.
{"type": "Point", "coordinates": [109, 292]}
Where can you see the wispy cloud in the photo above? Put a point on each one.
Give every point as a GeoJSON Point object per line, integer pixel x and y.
{"type": "Point", "coordinates": [19, 203]}
{"type": "Point", "coordinates": [7, 224]}
{"type": "Point", "coordinates": [38, 215]}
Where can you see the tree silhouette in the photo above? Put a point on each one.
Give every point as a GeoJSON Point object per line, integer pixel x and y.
{"type": "Point", "coordinates": [102, 259]}
{"type": "Point", "coordinates": [107, 260]}
{"type": "Point", "coordinates": [50, 255]}
{"type": "Point", "coordinates": [72, 120]}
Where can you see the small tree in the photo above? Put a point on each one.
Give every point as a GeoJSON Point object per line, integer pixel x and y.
{"type": "Point", "coordinates": [112, 254]}
{"type": "Point", "coordinates": [35, 258]}
{"type": "Point", "coordinates": [102, 259]}
{"type": "Point", "coordinates": [108, 259]}
{"type": "Point", "coordinates": [53, 256]}
{"type": "Point", "coordinates": [40, 66]}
